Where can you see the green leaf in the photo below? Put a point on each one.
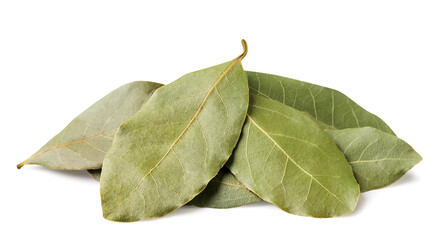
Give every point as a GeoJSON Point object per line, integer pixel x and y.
{"type": "Point", "coordinates": [84, 142]}
{"type": "Point", "coordinates": [164, 155]}
{"type": "Point", "coordinates": [333, 110]}
{"type": "Point", "coordinates": [284, 157]}
{"type": "Point", "coordinates": [328, 106]}
{"type": "Point", "coordinates": [378, 159]}
{"type": "Point", "coordinates": [224, 191]}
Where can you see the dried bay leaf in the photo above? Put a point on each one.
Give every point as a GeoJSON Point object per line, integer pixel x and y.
{"type": "Point", "coordinates": [333, 110]}
{"type": "Point", "coordinates": [378, 159]}
{"type": "Point", "coordinates": [224, 191]}
{"type": "Point", "coordinates": [385, 159]}
{"type": "Point", "coordinates": [86, 139]}
{"type": "Point", "coordinates": [328, 106]}
{"type": "Point", "coordinates": [165, 155]}
{"type": "Point", "coordinates": [285, 158]}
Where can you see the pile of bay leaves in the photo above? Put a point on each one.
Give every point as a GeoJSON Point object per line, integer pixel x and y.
{"type": "Point", "coordinates": [222, 137]}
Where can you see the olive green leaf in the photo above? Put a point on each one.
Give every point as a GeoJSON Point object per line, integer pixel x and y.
{"type": "Point", "coordinates": [165, 155]}
{"type": "Point", "coordinates": [284, 157]}
{"type": "Point", "coordinates": [378, 159]}
{"type": "Point", "coordinates": [312, 100]}
{"type": "Point", "coordinates": [83, 143]}
{"type": "Point", "coordinates": [328, 106]}
{"type": "Point", "coordinates": [224, 191]}
{"type": "Point", "coordinates": [386, 159]}
{"type": "Point", "coordinates": [333, 110]}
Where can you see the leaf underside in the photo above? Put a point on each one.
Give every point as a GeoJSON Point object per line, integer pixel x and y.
{"type": "Point", "coordinates": [285, 158]}
{"type": "Point", "coordinates": [165, 155]}
{"type": "Point", "coordinates": [83, 143]}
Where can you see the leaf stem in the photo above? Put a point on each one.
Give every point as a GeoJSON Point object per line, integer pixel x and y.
{"type": "Point", "coordinates": [244, 43]}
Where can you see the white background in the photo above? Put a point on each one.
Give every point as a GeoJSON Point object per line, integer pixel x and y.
{"type": "Point", "coordinates": [59, 57]}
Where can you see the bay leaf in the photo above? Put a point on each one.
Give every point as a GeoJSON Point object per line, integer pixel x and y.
{"type": "Point", "coordinates": [286, 90]}
{"type": "Point", "coordinates": [331, 108]}
{"type": "Point", "coordinates": [83, 143]}
{"type": "Point", "coordinates": [224, 191]}
{"type": "Point", "coordinates": [378, 159]}
{"type": "Point", "coordinates": [165, 155]}
{"type": "Point", "coordinates": [285, 158]}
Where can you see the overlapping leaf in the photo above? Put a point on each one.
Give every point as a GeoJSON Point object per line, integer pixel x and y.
{"type": "Point", "coordinates": [84, 142]}
{"type": "Point", "coordinates": [287, 159]}
{"type": "Point", "coordinates": [333, 110]}
{"type": "Point", "coordinates": [378, 159]}
{"type": "Point", "coordinates": [164, 155]}
{"type": "Point", "coordinates": [328, 106]}
{"type": "Point", "coordinates": [302, 146]}
{"type": "Point", "coordinates": [225, 191]}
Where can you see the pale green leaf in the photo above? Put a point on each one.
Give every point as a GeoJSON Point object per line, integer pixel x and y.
{"type": "Point", "coordinates": [165, 155]}
{"type": "Point", "coordinates": [378, 159]}
{"type": "Point", "coordinates": [284, 157]}
{"type": "Point", "coordinates": [84, 142]}
{"type": "Point", "coordinates": [331, 108]}
{"type": "Point", "coordinates": [224, 191]}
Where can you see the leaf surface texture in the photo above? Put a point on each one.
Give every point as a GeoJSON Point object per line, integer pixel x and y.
{"type": "Point", "coordinates": [164, 155]}
{"type": "Point", "coordinates": [378, 159]}
{"type": "Point", "coordinates": [284, 157]}
{"type": "Point", "coordinates": [330, 107]}
{"type": "Point", "coordinates": [224, 191]}
{"type": "Point", "coordinates": [83, 143]}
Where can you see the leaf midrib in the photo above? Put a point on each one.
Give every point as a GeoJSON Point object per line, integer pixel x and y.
{"type": "Point", "coordinates": [64, 145]}
{"type": "Point", "coordinates": [383, 159]}
{"type": "Point", "coordinates": [183, 132]}
{"type": "Point", "coordinates": [228, 184]}
{"type": "Point", "coordinates": [297, 165]}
